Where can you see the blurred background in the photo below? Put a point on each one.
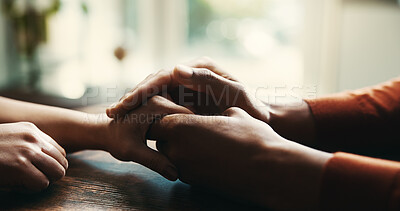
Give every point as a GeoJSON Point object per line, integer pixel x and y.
{"type": "Point", "coordinates": [74, 53]}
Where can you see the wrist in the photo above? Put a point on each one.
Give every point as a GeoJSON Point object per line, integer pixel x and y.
{"type": "Point", "coordinates": [98, 132]}
{"type": "Point", "coordinates": [256, 108]}
{"type": "Point", "coordinates": [312, 162]}
{"type": "Point", "coordinates": [299, 170]}
{"type": "Point", "coordinates": [294, 122]}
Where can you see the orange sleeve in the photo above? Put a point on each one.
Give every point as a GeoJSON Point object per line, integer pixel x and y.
{"type": "Point", "coordinates": [352, 182]}
{"type": "Point", "coordinates": [367, 118]}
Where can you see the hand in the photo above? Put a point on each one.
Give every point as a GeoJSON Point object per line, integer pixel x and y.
{"type": "Point", "coordinates": [29, 159]}
{"type": "Point", "coordinates": [239, 155]}
{"type": "Point", "coordinates": [126, 139]}
{"type": "Point", "coordinates": [204, 88]}
{"type": "Point", "coordinates": [200, 85]}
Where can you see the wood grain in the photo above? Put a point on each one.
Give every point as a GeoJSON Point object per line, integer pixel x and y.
{"type": "Point", "coordinates": [96, 181]}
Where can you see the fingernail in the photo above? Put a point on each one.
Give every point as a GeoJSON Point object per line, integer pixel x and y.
{"type": "Point", "coordinates": [185, 71]}
{"type": "Point", "coordinates": [171, 173]}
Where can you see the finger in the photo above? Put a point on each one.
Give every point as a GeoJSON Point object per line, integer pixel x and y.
{"type": "Point", "coordinates": [169, 97]}
{"type": "Point", "coordinates": [33, 179]}
{"type": "Point", "coordinates": [235, 112]}
{"type": "Point", "coordinates": [50, 140]}
{"type": "Point", "coordinates": [138, 85]}
{"type": "Point", "coordinates": [205, 62]}
{"type": "Point", "coordinates": [162, 80]}
{"type": "Point", "coordinates": [223, 91]}
{"type": "Point", "coordinates": [198, 78]}
{"type": "Point", "coordinates": [156, 108]}
{"type": "Point", "coordinates": [183, 97]}
{"type": "Point", "coordinates": [152, 83]}
{"type": "Point", "coordinates": [49, 166]}
{"type": "Point", "coordinates": [164, 106]}
{"type": "Point", "coordinates": [180, 125]}
{"type": "Point", "coordinates": [157, 162]}
{"type": "Point", "coordinates": [52, 151]}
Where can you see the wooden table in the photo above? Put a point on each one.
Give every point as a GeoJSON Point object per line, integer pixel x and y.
{"type": "Point", "coordinates": [96, 181]}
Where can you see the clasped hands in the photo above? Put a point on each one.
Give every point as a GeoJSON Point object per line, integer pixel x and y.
{"type": "Point", "coordinates": [210, 132]}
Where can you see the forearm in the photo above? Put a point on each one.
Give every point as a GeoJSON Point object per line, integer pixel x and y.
{"type": "Point", "coordinates": [288, 176]}
{"type": "Point", "coordinates": [73, 130]}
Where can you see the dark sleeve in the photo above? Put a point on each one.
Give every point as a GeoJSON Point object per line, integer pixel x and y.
{"type": "Point", "coordinates": [353, 182]}
{"type": "Point", "coordinates": [367, 119]}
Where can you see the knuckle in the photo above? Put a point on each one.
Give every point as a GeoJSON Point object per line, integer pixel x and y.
{"type": "Point", "coordinates": [156, 98]}
{"type": "Point", "coordinates": [233, 109]}
{"type": "Point", "coordinates": [28, 151]}
{"type": "Point", "coordinates": [138, 87]}
{"type": "Point", "coordinates": [126, 95]}
{"type": "Point", "coordinates": [149, 76]}
{"type": "Point", "coordinates": [30, 136]}
{"type": "Point", "coordinates": [153, 100]}
{"type": "Point", "coordinates": [21, 161]}
{"type": "Point", "coordinates": [28, 124]}
{"type": "Point", "coordinates": [162, 72]}
{"type": "Point", "coordinates": [205, 73]}
{"type": "Point", "coordinates": [34, 153]}
{"type": "Point", "coordinates": [164, 75]}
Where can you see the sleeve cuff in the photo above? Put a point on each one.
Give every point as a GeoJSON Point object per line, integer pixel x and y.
{"type": "Point", "coordinates": [352, 182]}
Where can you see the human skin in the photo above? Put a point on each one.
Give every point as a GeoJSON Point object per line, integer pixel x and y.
{"type": "Point", "coordinates": [208, 89]}
{"type": "Point", "coordinates": [29, 159]}
{"type": "Point", "coordinates": [240, 154]}
{"type": "Point", "coordinates": [34, 143]}
{"type": "Point", "coordinates": [243, 157]}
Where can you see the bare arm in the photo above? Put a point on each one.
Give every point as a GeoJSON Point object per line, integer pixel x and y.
{"type": "Point", "coordinates": [71, 129]}
{"type": "Point", "coordinates": [125, 138]}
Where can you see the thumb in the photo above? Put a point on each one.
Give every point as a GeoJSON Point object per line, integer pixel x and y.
{"type": "Point", "coordinates": [157, 162]}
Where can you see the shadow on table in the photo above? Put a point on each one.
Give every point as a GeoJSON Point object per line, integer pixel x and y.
{"type": "Point", "coordinates": [92, 184]}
